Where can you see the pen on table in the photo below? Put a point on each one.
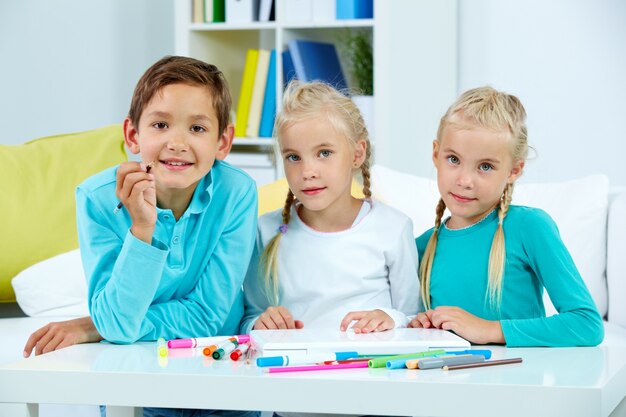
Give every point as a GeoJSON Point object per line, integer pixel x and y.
{"type": "Point", "coordinates": [161, 347]}
{"type": "Point", "coordinates": [401, 363]}
{"type": "Point", "coordinates": [204, 341]}
{"type": "Point", "coordinates": [239, 352]}
{"type": "Point", "coordinates": [303, 359]}
{"type": "Point", "coordinates": [120, 204]}
{"type": "Point", "coordinates": [315, 367]}
{"type": "Point", "coordinates": [208, 351]}
{"type": "Point", "coordinates": [225, 348]}
{"type": "Point", "coordinates": [433, 363]}
{"type": "Point", "coordinates": [348, 360]}
{"type": "Point", "coordinates": [479, 364]}
{"type": "Point", "coordinates": [382, 362]}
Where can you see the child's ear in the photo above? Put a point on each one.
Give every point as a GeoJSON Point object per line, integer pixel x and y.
{"type": "Point", "coordinates": [435, 152]}
{"type": "Point", "coordinates": [516, 171]}
{"type": "Point", "coordinates": [360, 153]}
{"type": "Point", "coordinates": [130, 136]}
{"type": "Point", "coordinates": [225, 142]}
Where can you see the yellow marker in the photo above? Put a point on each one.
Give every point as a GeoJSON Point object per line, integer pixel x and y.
{"type": "Point", "coordinates": [162, 347]}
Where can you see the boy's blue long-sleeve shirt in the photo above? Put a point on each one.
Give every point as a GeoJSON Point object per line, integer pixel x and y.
{"type": "Point", "coordinates": [535, 258]}
{"type": "Point", "coordinates": [188, 283]}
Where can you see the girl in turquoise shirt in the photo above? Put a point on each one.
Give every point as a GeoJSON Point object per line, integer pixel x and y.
{"type": "Point", "coordinates": [483, 268]}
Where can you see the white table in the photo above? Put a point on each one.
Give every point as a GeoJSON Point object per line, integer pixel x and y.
{"type": "Point", "coordinates": [550, 382]}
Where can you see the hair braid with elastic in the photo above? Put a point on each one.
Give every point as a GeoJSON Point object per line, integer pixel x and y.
{"type": "Point", "coordinates": [365, 173]}
{"type": "Point", "coordinates": [269, 257]}
{"type": "Point", "coordinates": [429, 255]}
{"type": "Point", "coordinates": [497, 255]}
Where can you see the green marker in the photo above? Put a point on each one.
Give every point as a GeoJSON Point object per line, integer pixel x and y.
{"type": "Point", "coordinates": [382, 362]}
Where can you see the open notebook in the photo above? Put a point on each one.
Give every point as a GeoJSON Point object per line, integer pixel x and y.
{"type": "Point", "coordinates": [397, 341]}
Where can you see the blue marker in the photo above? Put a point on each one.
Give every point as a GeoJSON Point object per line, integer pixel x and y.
{"type": "Point", "coordinates": [303, 359]}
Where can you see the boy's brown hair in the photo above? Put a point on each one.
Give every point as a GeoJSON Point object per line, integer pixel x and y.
{"type": "Point", "coordinates": [179, 69]}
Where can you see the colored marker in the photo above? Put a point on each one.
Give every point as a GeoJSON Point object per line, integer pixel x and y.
{"type": "Point", "coordinates": [303, 359]}
{"type": "Point", "coordinates": [485, 352]}
{"type": "Point", "coordinates": [316, 367]}
{"type": "Point", "coordinates": [239, 352]}
{"type": "Point", "coordinates": [433, 363]}
{"type": "Point", "coordinates": [479, 364]}
{"type": "Point", "coordinates": [208, 351]}
{"type": "Point", "coordinates": [225, 349]}
{"type": "Point", "coordinates": [382, 362]}
{"type": "Point", "coordinates": [402, 363]}
{"type": "Point", "coordinates": [162, 347]}
{"type": "Point", "coordinates": [348, 361]}
{"type": "Point", "coordinates": [204, 341]}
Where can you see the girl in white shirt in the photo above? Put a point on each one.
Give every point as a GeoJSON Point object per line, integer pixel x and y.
{"type": "Point", "coordinates": [328, 259]}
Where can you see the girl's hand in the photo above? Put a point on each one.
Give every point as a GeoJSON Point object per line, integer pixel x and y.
{"type": "Point", "coordinates": [422, 320]}
{"type": "Point", "coordinates": [277, 318]}
{"type": "Point", "coordinates": [58, 335]}
{"type": "Point", "coordinates": [468, 326]}
{"type": "Point", "coordinates": [137, 191]}
{"type": "Point", "coordinates": [367, 321]}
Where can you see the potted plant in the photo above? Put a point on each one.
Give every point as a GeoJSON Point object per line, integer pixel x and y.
{"type": "Point", "coordinates": [355, 46]}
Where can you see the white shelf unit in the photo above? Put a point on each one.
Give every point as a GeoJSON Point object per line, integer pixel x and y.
{"type": "Point", "coordinates": [415, 67]}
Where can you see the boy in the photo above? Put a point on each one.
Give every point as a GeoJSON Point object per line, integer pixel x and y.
{"type": "Point", "coordinates": [172, 261]}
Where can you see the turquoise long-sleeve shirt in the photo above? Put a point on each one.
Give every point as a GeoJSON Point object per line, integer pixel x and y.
{"type": "Point", "coordinates": [536, 258]}
{"type": "Point", "coordinates": [188, 282]}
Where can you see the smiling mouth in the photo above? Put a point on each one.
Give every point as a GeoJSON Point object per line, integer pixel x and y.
{"type": "Point", "coordinates": [313, 191]}
{"type": "Point", "coordinates": [461, 199]}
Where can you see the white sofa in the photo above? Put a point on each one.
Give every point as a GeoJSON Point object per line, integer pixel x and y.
{"type": "Point", "coordinates": [590, 216]}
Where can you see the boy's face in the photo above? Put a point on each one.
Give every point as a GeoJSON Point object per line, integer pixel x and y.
{"type": "Point", "coordinates": [178, 130]}
{"type": "Point", "coordinates": [474, 165]}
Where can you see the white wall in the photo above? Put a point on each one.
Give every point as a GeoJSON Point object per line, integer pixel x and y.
{"type": "Point", "coordinates": [71, 65]}
{"type": "Point", "coordinates": [566, 61]}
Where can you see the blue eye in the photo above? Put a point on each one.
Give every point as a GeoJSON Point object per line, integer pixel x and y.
{"type": "Point", "coordinates": [325, 153]}
{"type": "Point", "coordinates": [292, 158]}
{"type": "Point", "coordinates": [453, 160]}
{"type": "Point", "coordinates": [198, 129]}
{"type": "Point", "coordinates": [160, 125]}
{"type": "Point", "coordinates": [485, 167]}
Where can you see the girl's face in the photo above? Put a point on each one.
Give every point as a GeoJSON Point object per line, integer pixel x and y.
{"type": "Point", "coordinates": [474, 165]}
{"type": "Point", "coordinates": [319, 164]}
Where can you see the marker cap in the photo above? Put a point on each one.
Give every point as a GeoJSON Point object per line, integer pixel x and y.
{"type": "Point", "coordinates": [270, 361]}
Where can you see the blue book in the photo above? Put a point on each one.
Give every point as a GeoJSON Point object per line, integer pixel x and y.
{"type": "Point", "coordinates": [269, 101]}
{"type": "Point", "coordinates": [289, 72]}
{"type": "Point", "coordinates": [355, 9]}
{"type": "Point", "coordinates": [317, 61]}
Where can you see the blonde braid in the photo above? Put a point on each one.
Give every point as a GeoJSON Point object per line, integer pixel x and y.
{"type": "Point", "coordinates": [365, 173]}
{"type": "Point", "coordinates": [497, 255]}
{"type": "Point", "coordinates": [429, 255]}
{"type": "Point", "coordinates": [269, 257]}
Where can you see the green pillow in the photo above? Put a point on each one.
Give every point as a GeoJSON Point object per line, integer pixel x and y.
{"type": "Point", "coordinates": [38, 209]}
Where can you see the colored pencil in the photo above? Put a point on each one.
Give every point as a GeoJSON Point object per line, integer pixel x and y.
{"type": "Point", "coordinates": [486, 363]}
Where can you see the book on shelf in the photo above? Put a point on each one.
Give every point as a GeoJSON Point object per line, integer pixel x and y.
{"type": "Point", "coordinates": [269, 101]}
{"type": "Point", "coordinates": [289, 72]}
{"type": "Point", "coordinates": [242, 11]}
{"type": "Point", "coordinates": [355, 9]}
{"type": "Point", "coordinates": [197, 11]}
{"type": "Point", "coordinates": [319, 61]}
{"type": "Point", "coordinates": [214, 11]}
{"type": "Point", "coordinates": [245, 92]}
{"type": "Point", "coordinates": [266, 11]}
{"type": "Point", "coordinates": [258, 93]}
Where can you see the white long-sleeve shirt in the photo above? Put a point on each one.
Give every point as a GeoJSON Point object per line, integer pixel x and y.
{"type": "Point", "coordinates": [323, 276]}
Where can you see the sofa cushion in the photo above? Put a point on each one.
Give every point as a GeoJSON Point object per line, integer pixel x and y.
{"type": "Point", "coordinates": [38, 182]}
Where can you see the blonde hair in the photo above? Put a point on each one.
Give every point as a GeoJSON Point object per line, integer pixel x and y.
{"type": "Point", "coordinates": [301, 102]}
{"type": "Point", "coordinates": [494, 110]}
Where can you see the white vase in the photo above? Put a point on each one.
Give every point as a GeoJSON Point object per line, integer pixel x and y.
{"type": "Point", "coordinates": [366, 106]}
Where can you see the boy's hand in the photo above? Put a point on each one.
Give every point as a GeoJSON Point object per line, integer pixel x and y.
{"type": "Point", "coordinates": [58, 335]}
{"type": "Point", "coordinates": [367, 321]}
{"type": "Point", "coordinates": [137, 191]}
{"type": "Point", "coordinates": [277, 318]}
{"type": "Point", "coordinates": [468, 326]}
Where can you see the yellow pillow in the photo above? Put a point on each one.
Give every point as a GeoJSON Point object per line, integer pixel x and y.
{"type": "Point", "coordinates": [37, 193]}
{"type": "Point", "coordinates": [272, 196]}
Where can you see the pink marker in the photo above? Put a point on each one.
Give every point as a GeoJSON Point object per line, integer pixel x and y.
{"type": "Point", "coordinates": [316, 367]}
{"type": "Point", "coordinates": [204, 341]}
